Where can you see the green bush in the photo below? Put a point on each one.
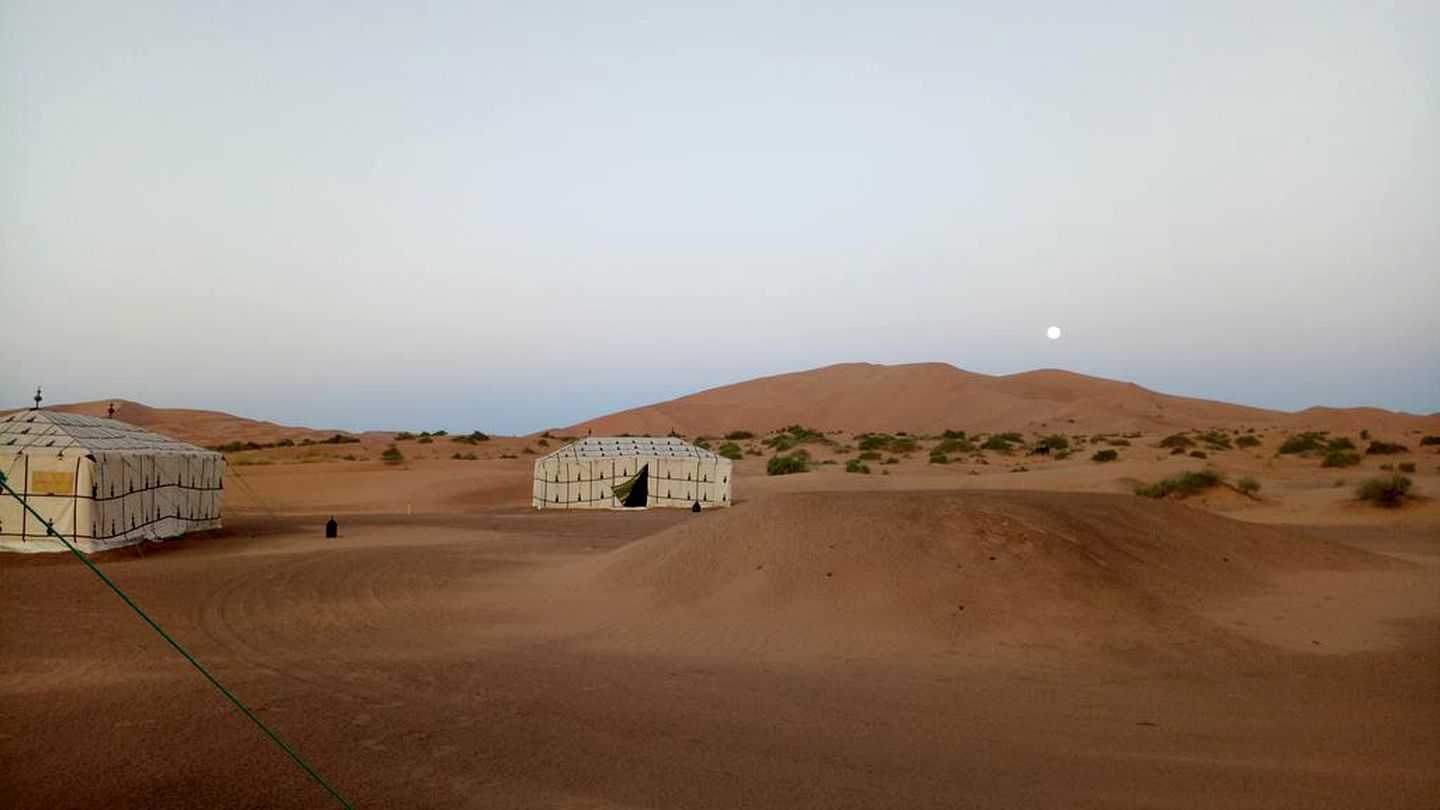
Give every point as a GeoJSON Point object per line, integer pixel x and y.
{"type": "Point", "coordinates": [1055, 441]}
{"type": "Point", "coordinates": [1342, 443]}
{"type": "Point", "coordinates": [1247, 486]}
{"type": "Point", "coordinates": [1182, 485]}
{"type": "Point", "coordinates": [474, 437]}
{"type": "Point", "coordinates": [1387, 491]}
{"type": "Point", "coordinates": [939, 458]}
{"type": "Point", "coordinates": [961, 445]}
{"type": "Point", "coordinates": [1429, 441]}
{"type": "Point", "coordinates": [739, 435]}
{"type": "Point", "coordinates": [1216, 439]}
{"type": "Point", "coordinates": [1247, 441]}
{"type": "Point", "coordinates": [731, 451]}
{"type": "Point", "coordinates": [1309, 442]}
{"type": "Point", "coordinates": [404, 436]}
{"type": "Point", "coordinates": [999, 444]}
{"type": "Point", "coordinates": [1177, 440]}
{"type": "Point", "coordinates": [464, 457]}
{"type": "Point", "coordinates": [1384, 449]}
{"type": "Point", "coordinates": [1105, 455]}
{"type": "Point", "coordinates": [1341, 458]}
{"type": "Point", "coordinates": [426, 440]}
{"type": "Point", "coordinates": [792, 436]}
{"type": "Point", "coordinates": [392, 455]}
{"type": "Point", "coordinates": [953, 434]}
{"type": "Point", "coordinates": [884, 441]}
{"type": "Point", "coordinates": [854, 466]}
{"type": "Point", "coordinates": [870, 455]}
{"type": "Point", "coordinates": [796, 462]}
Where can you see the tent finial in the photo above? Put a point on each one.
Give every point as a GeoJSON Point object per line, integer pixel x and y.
{"type": "Point", "coordinates": [110, 412]}
{"type": "Point", "coordinates": [37, 399]}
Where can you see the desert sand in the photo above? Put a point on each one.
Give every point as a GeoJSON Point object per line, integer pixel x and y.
{"type": "Point", "coordinates": [999, 631]}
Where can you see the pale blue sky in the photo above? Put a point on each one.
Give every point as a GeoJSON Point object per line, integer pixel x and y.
{"type": "Point", "coordinates": [512, 216]}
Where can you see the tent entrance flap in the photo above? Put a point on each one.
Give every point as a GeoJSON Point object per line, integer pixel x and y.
{"type": "Point", "coordinates": [635, 492]}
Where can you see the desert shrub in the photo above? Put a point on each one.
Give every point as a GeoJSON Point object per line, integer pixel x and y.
{"type": "Point", "coordinates": [739, 435]}
{"type": "Point", "coordinates": [237, 447]}
{"type": "Point", "coordinates": [999, 444]}
{"type": "Point", "coordinates": [1430, 441]}
{"type": "Point", "coordinates": [1247, 486]}
{"type": "Point", "coordinates": [1019, 468]}
{"type": "Point", "coordinates": [1064, 454]}
{"type": "Point", "coordinates": [1198, 454]}
{"type": "Point", "coordinates": [891, 460]}
{"type": "Point", "coordinates": [731, 451]}
{"type": "Point", "coordinates": [1177, 440]}
{"type": "Point", "coordinates": [439, 433]}
{"type": "Point", "coordinates": [1055, 441]}
{"type": "Point", "coordinates": [1388, 491]}
{"type": "Point", "coordinates": [792, 436]}
{"type": "Point", "coordinates": [1312, 441]}
{"type": "Point", "coordinates": [1340, 443]}
{"type": "Point", "coordinates": [1177, 451]}
{"type": "Point", "coordinates": [939, 458]}
{"type": "Point", "coordinates": [781, 464]}
{"type": "Point", "coordinates": [953, 434]}
{"type": "Point", "coordinates": [854, 466]}
{"type": "Point", "coordinates": [1340, 458]}
{"type": "Point", "coordinates": [1365, 435]}
{"type": "Point", "coordinates": [1387, 467]}
{"type": "Point", "coordinates": [870, 455]}
{"type": "Point", "coordinates": [702, 442]}
{"type": "Point", "coordinates": [960, 445]}
{"type": "Point", "coordinates": [426, 440]}
{"type": "Point", "coordinates": [404, 436]}
{"type": "Point", "coordinates": [1105, 455]}
{"type": "Point", "coordinates": [1384, 449]}
{"type": "Point", "coordinates": [1216, 439]}
{"type": "Point", "coordinates": [543, 442]}
{"type": "Point", "coordinates": [392, 455]}
{"type": "Point", "coordinates": [473, 437]}
{"type": "Point", "coordinates": [465, 457]}
{"type": "Point", "coordinates": [1182, 485]}
{"type": "Point", "coordinates": [1247, 441]}
{"type": "Point", "coordinates": [900, 443]}
{"type": "Point", "coordinates": [753, 451]}
{"type": "Point", "coordinates": [527, 450]}
{"type": "Point", "coordinates": [1407, 467]}
{"type": "Point", "coordinates": [508, 455]}
{"type": "Point", "coordinates": [285, 443]}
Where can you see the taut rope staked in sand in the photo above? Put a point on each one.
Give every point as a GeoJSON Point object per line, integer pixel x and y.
{"type": "Point", "coordinates": [199, 667]}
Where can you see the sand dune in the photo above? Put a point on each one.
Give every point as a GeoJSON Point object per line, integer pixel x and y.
{"type": "Point", "coordinates": [997, 571]}
{"type": "Point", "coordinates": [201, 427]}
{"type": "Point", "coordinates": [931, 397]}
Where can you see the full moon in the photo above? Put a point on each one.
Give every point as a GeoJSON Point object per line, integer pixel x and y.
{"type": "Point", "coordinates": [1053, 333]}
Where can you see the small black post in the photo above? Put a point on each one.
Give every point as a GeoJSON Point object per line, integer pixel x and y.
{"type": "Point", "coordinates": [695, 507]}
{"type": "Point", "coordinates": [332, 529]}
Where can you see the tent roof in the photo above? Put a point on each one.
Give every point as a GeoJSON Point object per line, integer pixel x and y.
{"type": "Point", "coordinates": [41, 431]}
{"type": "Point", "coordinates": [625, 446]}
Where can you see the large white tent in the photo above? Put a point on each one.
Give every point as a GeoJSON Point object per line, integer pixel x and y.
{"type": "Point", "coordinates": [629, 473]}
{"type": "Point", "coordinates": [102, 483]}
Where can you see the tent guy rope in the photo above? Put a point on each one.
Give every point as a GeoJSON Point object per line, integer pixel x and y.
{"type": "Point", "coordinates": [239, 704]}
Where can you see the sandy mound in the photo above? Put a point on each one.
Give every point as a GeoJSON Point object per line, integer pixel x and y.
{"type": "Point", "coordinates": [1001, 569]}
{"type": "Point", "coordinates": [936, 396]}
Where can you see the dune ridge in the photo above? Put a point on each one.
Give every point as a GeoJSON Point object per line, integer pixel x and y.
{"type": "Point", "coordinates": [931, 397]}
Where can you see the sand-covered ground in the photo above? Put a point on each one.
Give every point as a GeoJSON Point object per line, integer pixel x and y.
{"type": "Point", "coordinates": [959, 635]}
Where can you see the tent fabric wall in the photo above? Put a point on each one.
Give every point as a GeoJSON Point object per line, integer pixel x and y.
{"type": "Point", "coordinates": [102, 483]}
{"type": "Point", "coordinates": [583, 475]}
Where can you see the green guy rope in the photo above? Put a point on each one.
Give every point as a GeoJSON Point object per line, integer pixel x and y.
{"type": "Point", "coordinates": [245, 710]}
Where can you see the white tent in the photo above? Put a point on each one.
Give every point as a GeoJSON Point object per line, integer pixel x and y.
{"type": "Point", "coordinates": [102, 483]}
{"type": "Point", "coordinates": [627, 473]}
